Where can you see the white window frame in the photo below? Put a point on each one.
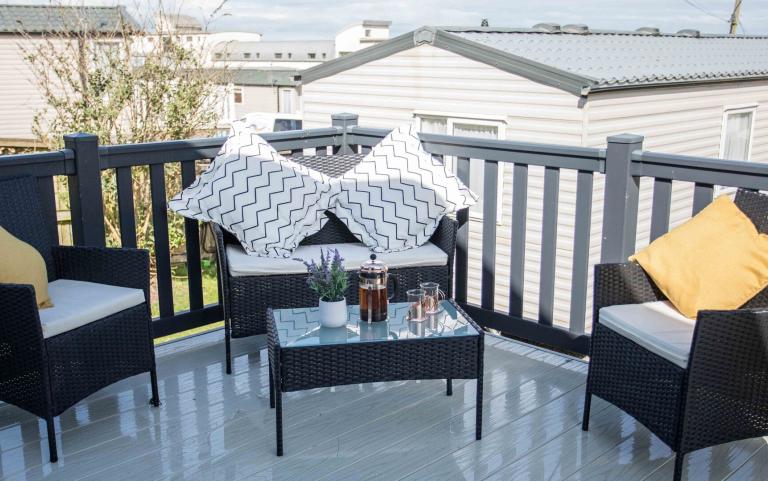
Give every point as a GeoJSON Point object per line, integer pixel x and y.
{"type": "Point", "coordinates": [470, 119]}
{"type": "Point", "coordinates": [292, 93]}
{"type": "Point", "coordinates": [738, 109]}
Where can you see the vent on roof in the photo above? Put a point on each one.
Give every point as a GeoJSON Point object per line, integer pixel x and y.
{"type": "Point", "coordinates": [576, 28]}
{"type": "Point", "coordinates": [547, 27]}
{"type": "Point", "coordinates": [689, 32]}
{"type": "Point", "coordinates": [648, 31]}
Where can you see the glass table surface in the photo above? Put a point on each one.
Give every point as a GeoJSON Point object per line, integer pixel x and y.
{"type": "Point", "coordinates": [301, 327]}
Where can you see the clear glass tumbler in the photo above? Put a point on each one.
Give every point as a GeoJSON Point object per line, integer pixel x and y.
{"type": "Point", "coordinates": [432, 296]}
{"type": "Point", "coordinates": [415, 304]}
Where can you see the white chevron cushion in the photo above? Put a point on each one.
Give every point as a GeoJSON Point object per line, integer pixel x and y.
{"type": "Point", "coordinates": [268, 202]}
{"type": "Point", "coordinates": [395, 197]}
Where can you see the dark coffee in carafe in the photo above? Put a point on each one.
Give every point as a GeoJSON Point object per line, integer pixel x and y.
{"type": "Point", "coordinates": [374, 300]}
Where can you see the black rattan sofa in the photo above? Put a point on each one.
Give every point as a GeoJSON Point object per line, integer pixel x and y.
{"type": "Point", "coordinates": [246, 298]}
{"type": "Point", "coordinates": [720, 396]}
{"type": "Point", "coordinates": [47, 374]}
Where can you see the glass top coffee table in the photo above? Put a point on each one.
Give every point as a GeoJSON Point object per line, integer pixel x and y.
{"type": "Point", "coordinates": [303, 355]}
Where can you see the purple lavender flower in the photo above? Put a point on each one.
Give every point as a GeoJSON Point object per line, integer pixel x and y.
{"type": "Point", "coordinates": [329, 278]}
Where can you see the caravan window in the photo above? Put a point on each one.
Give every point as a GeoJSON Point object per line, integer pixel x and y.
{"type": "Point", "coordinates": [736, 143]}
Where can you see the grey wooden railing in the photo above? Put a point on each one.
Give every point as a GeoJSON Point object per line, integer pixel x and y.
{"type": "Point", "coordinates": [82, 160]}
{"type": "Point", "coordinates": [623, 163]}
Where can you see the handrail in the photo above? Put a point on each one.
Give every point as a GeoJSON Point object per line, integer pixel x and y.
{"type": "Point", "coordinates": [126, 155]}
{"type": "Point", "coordinates": [508, 151]}
{"type": "Point", "coordinates": [700, 170]}
{"type": "Point", "coordinates": [57, 162]}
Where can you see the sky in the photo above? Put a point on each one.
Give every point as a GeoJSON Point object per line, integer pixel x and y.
{"type": "Point", "coordinates": [310, 20]}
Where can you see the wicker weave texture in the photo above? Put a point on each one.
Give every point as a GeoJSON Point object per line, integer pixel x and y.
{"type": "Point", "coordinates": [653, 393]}
{"type": "Point", "coordinates": [376, 362]}
{"type": "Point", "coordinates": [47, 376]}
{"type": "Point", "coordinates": [309, 367]}
{"type": "Point", "coordinates": [246, 299]}
{"type": "Point", "coordinates": [21, 214]}
{"type": "Point", "coordinates": [720, 397]}
{"type": "Point", "coordinates": [86, 359]}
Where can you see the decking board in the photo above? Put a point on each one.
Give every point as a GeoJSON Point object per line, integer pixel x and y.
{"type": "Point", "coordinates": [212, 426]}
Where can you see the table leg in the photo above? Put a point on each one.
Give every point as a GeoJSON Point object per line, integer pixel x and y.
{"type": "Point", "coordinates": [449, 387]}
{"type": "Point", "coordinates": [479, 401]}
{"type": "Point", "coordinates": [279, 421]}
{"type": "Point", "coordinates": [271, 387]}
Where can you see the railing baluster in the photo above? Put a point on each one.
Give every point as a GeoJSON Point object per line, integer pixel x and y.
{"type": "Point", "coordinates": [580, 275]}
{"type": "Point", "coordinates": [517, 239]}
{"type": "Point", "coordinates": [162, 243]}
{"type": "Point", "coordinates": [702, 196]}
{"type": "Point", "coordinates": [462, 237]}
{"type": "Point", "coordinates": [488, 278]}
{"type": "Point", "coordinates": [45, 186]}
{"type": "Point", "coordinates": [125, 206]}
{"type": "Point", "coordinates": [192, 241]}
{"type": "Point", "coordinates": [662, 199]}
{"type": "Point", "coordinates": [548, 246]}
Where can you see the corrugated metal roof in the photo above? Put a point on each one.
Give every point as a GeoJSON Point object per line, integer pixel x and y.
{"type": "Point", "coordinates": [61, 19]}
{"type": "Point", "coordinates": [623, 59]}
{"type": "Point", "coordinates": [259, 77]}
{"type": "Point", "coordinates": [583, 62]}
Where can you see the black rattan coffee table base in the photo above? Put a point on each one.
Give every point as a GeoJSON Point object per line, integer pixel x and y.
{"type": "Point", "coordinates": [298, 368]}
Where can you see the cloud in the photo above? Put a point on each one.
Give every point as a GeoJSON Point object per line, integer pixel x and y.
{"type": "Point", "coordinates": [312, 19]}
{"type": "Point", "coordinates": [309, 19]}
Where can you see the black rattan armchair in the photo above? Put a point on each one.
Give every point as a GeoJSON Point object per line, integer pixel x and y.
{"type": "Point", "coordinates": [721, 394]}
{"type": "Point", "coordinates": [46, 375]}
{"type": "Point", "coordinates": [246, 299]}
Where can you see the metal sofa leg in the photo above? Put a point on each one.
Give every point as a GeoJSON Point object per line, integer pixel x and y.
{"type": "Point", "coordinates": [587, 407]}
{"type": "Point", "coordinates": [271, 388]}
{"type": "Point", "coordinates": [51, 439]}
{"type": "Point", "coordinates": [227, 343]}
{"type": "Point", "coordinates": [679, 459]}
{"type": "Point", "coordinates": [155, 401]}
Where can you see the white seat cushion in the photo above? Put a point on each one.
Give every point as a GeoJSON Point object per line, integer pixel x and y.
{"type": "Point", "coordinates": [354, 254]}
{"type": "Point", "coordinates": [77, 303]}
{"type": "Point", "coordinates": [657, 326]}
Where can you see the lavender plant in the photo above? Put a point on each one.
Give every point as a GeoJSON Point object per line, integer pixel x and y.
{"type": "Point", "coordinates": [328, 279]}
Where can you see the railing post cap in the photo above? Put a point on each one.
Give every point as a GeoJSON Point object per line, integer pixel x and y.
{"type": "Point", "coordinates": [344, 116]}
{"type": "Point", "coordinates": [625, 139]}
{"type": "Point", "coordinates": [81, 135]}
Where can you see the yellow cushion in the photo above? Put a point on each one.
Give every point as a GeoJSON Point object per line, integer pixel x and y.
{"type": "Point", "coordinates": [20, 263]}
{"type": "Point", "coordinates": [717, 260]}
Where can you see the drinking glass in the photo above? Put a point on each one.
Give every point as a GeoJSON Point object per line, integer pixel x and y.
{"type": "Point", "coordinates": [415, 304]}
{"type": "Point", "coordinates": [432, 296]}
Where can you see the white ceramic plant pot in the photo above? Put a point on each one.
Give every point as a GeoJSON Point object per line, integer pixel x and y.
{"type": "Point", "coordinates": [333, 314]}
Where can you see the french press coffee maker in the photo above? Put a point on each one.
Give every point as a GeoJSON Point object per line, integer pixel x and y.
{"type": "Point", "coordinates": [373, 290]}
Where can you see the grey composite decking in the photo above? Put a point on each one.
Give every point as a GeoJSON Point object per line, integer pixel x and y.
{"type": "Point", "coordinates": [212, 426]}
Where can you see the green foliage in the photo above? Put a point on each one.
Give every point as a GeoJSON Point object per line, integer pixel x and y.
{"type": "Point", "coordinates": [128, 86]}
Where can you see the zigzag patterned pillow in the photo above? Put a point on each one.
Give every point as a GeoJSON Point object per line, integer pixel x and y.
{"type": "Point", "coordinates": [395, 197]}
{"type": "Point", "coordinates": [267, 201]}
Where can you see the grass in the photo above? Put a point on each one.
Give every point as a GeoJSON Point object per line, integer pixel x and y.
{"type": "Point", "coordinates": [181, 297]}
